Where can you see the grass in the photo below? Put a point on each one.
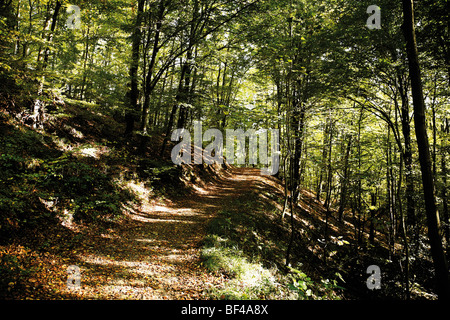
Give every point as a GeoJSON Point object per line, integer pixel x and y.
{"type": "Point", "coordinates": [249, 279]}
{"type": "Point", "coordinates": [245, 245]}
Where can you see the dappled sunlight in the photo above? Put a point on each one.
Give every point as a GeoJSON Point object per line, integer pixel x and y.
{"type": "Point", "coordinates": [159, 220]}
{"type": "Point", "coordinates": [139, 189]}
{"type": "Point", "coordinates": [95, 152]}
{"type": "Point", "coordinates": [154, 253]}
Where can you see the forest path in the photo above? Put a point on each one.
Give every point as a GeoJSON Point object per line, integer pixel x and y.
{"type": "Point", "coordinates": [156, 253]}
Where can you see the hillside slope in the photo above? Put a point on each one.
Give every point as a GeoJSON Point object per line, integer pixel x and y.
{"type": "Point", "coordinates": [78, 193]}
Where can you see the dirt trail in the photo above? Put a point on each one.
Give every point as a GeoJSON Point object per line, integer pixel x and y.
{"type": "Point", "coordinates": [156, 253]}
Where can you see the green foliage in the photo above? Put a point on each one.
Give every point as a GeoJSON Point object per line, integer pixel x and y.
{"type": "Point", "coordinates": [87, 188]}
{"type": "Point", "coordinates": [33, 172]}
{"type": "Point", "coordinates": [250, 280]}
{"type": "Point", "coordinates": [307, 289]}
{"type": "Point", "coordinates": [11, 270]}
{"type": "Point", "coordinates": [162, 177]}
{"type": "Point", "coordinates": [232, 69]}
{"type": "Point", "coordinates": [240, 248]}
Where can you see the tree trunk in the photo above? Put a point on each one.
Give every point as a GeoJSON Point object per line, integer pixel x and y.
{"type": "Point", "coordinates": [390, 200]}
{"type": "Point", "coordinates": [437, 252]}
{"type": "Point", "coordinates": [344, 181]}
{"type": "Point", "coordinates": [188, 65]}
{"type": "Point", "coordinates": [45, 25]}
{"type": "Point", "coordinates": [445, 214]}
{"type": "Point", "coordinates": [133, 95]}
{"type": "Point", "coordinates": [298, 125]}
{"type": "Point", "coordinates": [372, 210]}
{"type": "Point", "coordinates": [174, 112]}
{"type": "Point", "coordinates": [52, 30]}
{"type": "Point", "coordinates": [324, 160]}
{"type": "Point", "coordinates": [407, 157]}
{"type": "Point", "coordinates": [85, 59]}
{"type": "Point", "coordinates": [149, 84]}
{"type": "Point", "coordinates": [38, 106]}
{"type": "Point", "coordinates": [329, 181]}
{"type": "Point", "coordinates": [359, 182]}
{"type": "Point", "coordinates": [403, 230]}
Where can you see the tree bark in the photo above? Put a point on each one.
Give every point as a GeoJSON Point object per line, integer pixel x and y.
{"type": "Point", "coordinates": [298, 126]}
{"type": "Point", "coordinates": [437, 252]}
{"type": "Point", "coordinates": [344, 181]}
{"type": "Point", "coordinates": [38, 106]}
{"type": "Point", "coordinates": [133, 94]}
{"type": "Point", "coordinates": [403, 230]}
{"type": "Point", "coordinates": [328, 186]}
{"type": "Point", "coordinates": [149, 84]}
{"type": "Point", "coordinates": [188, 65]}
{"type": "Point", "coordinates": [173, 112]}
{"type": "Point", "coordinates": [411, 218]}
{"type": "Point", "coordinates": [445, 214]}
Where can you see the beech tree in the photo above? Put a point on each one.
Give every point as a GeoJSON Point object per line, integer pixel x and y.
{"type": "Point", "coordinates": [437, 251]}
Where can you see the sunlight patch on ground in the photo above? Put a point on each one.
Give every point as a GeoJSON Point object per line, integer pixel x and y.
{"type": "Point", "coordinates": [199, 189]}
{"type": "Point", "coordinates": [92, 152]}
{"type": "Point", "coordinates": [124, 292]}
{"type": "Point", "coordinates": [139, 189]}
{"type": "Point", "coordinates": [61, 144]}
{"type": "Point", "coordinates": [74, 132]}
{"type": "Point", "coordinates": [109, 236]}
{"type": "Point", "coordinates": [159, 220]}
{"type": "Point", "coordinates": [89, 152]}
{"type": "Point", "coordinates": [146, 240]}
{"type": "Point", "coordinates": [133, 267]}
{"type": "Point", "coordinates": [160, 208]}
{"type": "Point", "coordinates": [133, 280]}
{"type": "Point", "coordinates": [66, 218]}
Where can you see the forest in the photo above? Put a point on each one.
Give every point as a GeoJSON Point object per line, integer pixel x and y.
{"type": "Point", "coordinates": [348, 99]}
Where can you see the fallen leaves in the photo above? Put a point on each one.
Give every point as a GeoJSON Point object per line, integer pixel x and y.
{"type": "Point", "coordinates": [154, 257]}
{"type": "Point", "coordinates": [27, 274]}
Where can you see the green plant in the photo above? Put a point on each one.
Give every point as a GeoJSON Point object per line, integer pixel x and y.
{"type": "Point", "coordinates": [301, 283]}
{"type": "Point", "coordinates": [307, 289]}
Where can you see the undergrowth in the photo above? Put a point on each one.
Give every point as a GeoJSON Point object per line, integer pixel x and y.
{"type": "Point", "coordinates": [240, 245]}
{"type": "Point", "coordinates": [68, 168]}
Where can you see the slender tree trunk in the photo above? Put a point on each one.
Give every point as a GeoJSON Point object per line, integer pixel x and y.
{"type": "Point", "coordinates": [298, 125]}
{"type": "Point", "coordinates": [85, 59]}
{"type": "Point", "coordinates": [373, 203]}
{"type": "Point", "coordinates": [328, 186]}
{"type": "Point", "coordinates": [188, 65]}
{"type": "Point", "coordinates": [445, 214]}
{"type": "Point", "coordinates": [344, 181]}
{"type": "Point", "coordinates": [184, 92]}
{"type": "Point", "coordinates": [433, 121]}
{"type": "Point", "coordinates": [158, 111]}
{"type": "Point", "coordinates": [407, 157]}
{"type": "Point", "coordinates": [403, 231]}
{"type": "Point", "coordinates": [390, 200]}
{"type": "Point", "coordinates": [133, 94]}
{"type": "Point", "coordinates": [16, 27]}
{"type": "Point", "coordinates": [359, 182]}
{"type": "Point", "coordinates": [324, 161]}
{"type": "Point", "coordinates": [38, 107]}
{"type": "Point", "coordinates": [45, 25]}
{"type": "Point", "coordinates": [173, 112]}
{"type": "Point", "coordinates": [437, 252]}
{"type": "Point", "coordinates": [149, 84]}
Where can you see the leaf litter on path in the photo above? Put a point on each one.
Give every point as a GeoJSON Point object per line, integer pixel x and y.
{"type": "Point", "coordinates": [154, 253]}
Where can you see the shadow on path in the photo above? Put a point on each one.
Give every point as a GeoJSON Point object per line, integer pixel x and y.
{"type": "Point", "coordinates": [155, 253]}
